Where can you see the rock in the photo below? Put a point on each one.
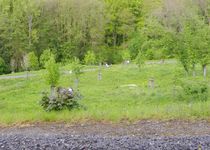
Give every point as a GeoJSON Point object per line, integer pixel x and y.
{"type": "Point", "coordinates": [129, 85]}
{"type": "Point", "coordinates": [102, 142]}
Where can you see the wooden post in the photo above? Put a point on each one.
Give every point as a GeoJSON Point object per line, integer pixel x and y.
{"type": "Point", "coordinates": [151, 83]}
{"type": "Point", "coordinates": [99, 72]}
{"type": "Point", "coordinates": [204, 71]}
{"type": "Point", "coordinates": [76, 84]}
{"type": "Point", "coordinates": [27, 74]}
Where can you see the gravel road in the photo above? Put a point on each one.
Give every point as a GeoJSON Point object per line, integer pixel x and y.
{"type": "Point", "coordinates": [144, 135]}
{"type": "Point", "coordinates": [96, 142]}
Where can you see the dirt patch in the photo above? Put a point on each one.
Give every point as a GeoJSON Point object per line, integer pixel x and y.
{"type": "Point", "coordinates": [144, 128]}
{"type": "Point", "coordinates": [145, 135]}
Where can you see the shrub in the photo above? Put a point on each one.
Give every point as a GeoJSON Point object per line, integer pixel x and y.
{"type": "Point", "coordinates": [64, 99]}
{"type": "Point", "coordinates": [155, 54]}
{"type": "Point", "coordinates": [90, 58]}
{"type": "Point", "coordinates": [126, 55]}
{"type": "Point", "coordinates": [33, 63]}
{"type": "Point", "coordinates": [113, 56]}
{"type": "Point", "coordinates": [194, 90]}
{"type": "Point", "coordinates": [45, 57]}
{"type": "Point", "coordinates": [150, 54]}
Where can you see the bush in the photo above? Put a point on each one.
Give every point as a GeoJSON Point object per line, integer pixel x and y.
{"type": "Point", "coordinates": [64, 99]}
{"type": "Point", "coordinates": [194, 90]}
{"type": "Point", "coordinates": [150, 54]}
{"type": "Point", "coordinates": [126, 55]}
{"type": "Point", "coordinates": [153, 54]}
{"type": "Point", "coordinates": [33, 63]}
{"type": "Point", "coordinates": [90, 58]}
{"type": "Point", "coordinates": [45, 57]}
{"type": "Point", "coordinates": [114, 56]}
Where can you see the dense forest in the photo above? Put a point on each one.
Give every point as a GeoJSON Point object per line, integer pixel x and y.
{"type": "Point", "coordinates": [108, 30]}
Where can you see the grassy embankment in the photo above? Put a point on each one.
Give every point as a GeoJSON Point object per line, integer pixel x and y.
{"type": "Point", "coordinates": [111, 99]}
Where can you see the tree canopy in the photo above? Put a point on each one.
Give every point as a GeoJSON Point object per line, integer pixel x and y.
{"type": "Point", "coordinates": [158, 29]}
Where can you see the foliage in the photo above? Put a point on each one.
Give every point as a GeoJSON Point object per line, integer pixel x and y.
{"type": "Point", "coordinates": [2, 66]}
{"type": "Point", "coordinates": [136, 43]}
{"type": "Point", "coordinates": [111, 99]}
{"type": "Point", "coordinates": [126, 55]}
{"type": "Point", "coordinates": [45, 57]}
{"type": "Point", "coordinates": [90, 58]}
{"type": "Point", "coordinates": [59, 103]}
{"type": "Point", "coordinates": [53, 72]}
{"type": "Point", "coordinates": [194, 90]}
{"type": "Point", "coordinates": [33, 61]}
{"type": "Point", "coordinates": [69, 28]}
{"type": "Point", "coordinates": [76, 68]}
{"type": "Point", "coordinates": [140, 59]}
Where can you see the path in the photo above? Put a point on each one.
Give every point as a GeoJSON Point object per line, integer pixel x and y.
{"type": "Point", "coordinates": [145, 135]}
{"type": "Point", "coordinates": [4, 77]}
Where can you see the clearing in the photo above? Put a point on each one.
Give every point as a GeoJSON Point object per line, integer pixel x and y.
{"type": "Point", "coordinates": [122, 94]}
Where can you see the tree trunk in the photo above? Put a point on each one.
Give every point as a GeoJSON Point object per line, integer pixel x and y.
{"type": "Point", "coordinates": [114, 40]}
{"type": "Point", "coordinates": [204, 70]}
{"type": "Point", "coordinates": [30, 19]}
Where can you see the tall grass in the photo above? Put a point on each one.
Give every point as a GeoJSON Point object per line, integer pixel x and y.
{"type": "Point", "coordinates": [111, 99]}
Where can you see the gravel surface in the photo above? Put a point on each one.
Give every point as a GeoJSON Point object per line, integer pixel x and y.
{"type": "Point", "coordinates": [145, 135]}
{"type": "Point", "coordinates": [99, 142]}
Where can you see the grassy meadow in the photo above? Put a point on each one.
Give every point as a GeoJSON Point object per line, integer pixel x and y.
{"type": "Point", "coordinates": [122, 94]}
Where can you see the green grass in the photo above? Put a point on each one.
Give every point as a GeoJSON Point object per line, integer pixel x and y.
{"type": "Point", "coordinates": [106, 100]}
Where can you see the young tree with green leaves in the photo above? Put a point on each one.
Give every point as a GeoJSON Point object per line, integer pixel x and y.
{"type": "Point", "coordinates": [53, 74]}
{"type": "Point", "coordinates": [33, 61]}
{"type": "Point", "coordinates": [140, 60]}
{"type": "Point", "coordinates": [77, 71]}
{"type": "Point", "coordinates": [202, 43]}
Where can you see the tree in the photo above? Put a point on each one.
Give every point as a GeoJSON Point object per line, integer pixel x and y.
{"type": "Point", "coordinates": [77, 71]}
{"type": "Point", "coordinates": [120, 22]}
{"type": "Point", "coordinates": [140, 59]}
{"type": "Point", "coordinates": [70, 28]}
{"type": "Point", "coordinates": [2, 66]}
{"type": "Point", "coordinates": [136, 43]}
{"type": "Point", "coordinates": [53, 74]}
{"type": "Point", "coordinates": [193, 44]}
{"type": "Point", "coordinates": [33, 61]}
{"type": "Point", "coordinates": [203, 46]}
